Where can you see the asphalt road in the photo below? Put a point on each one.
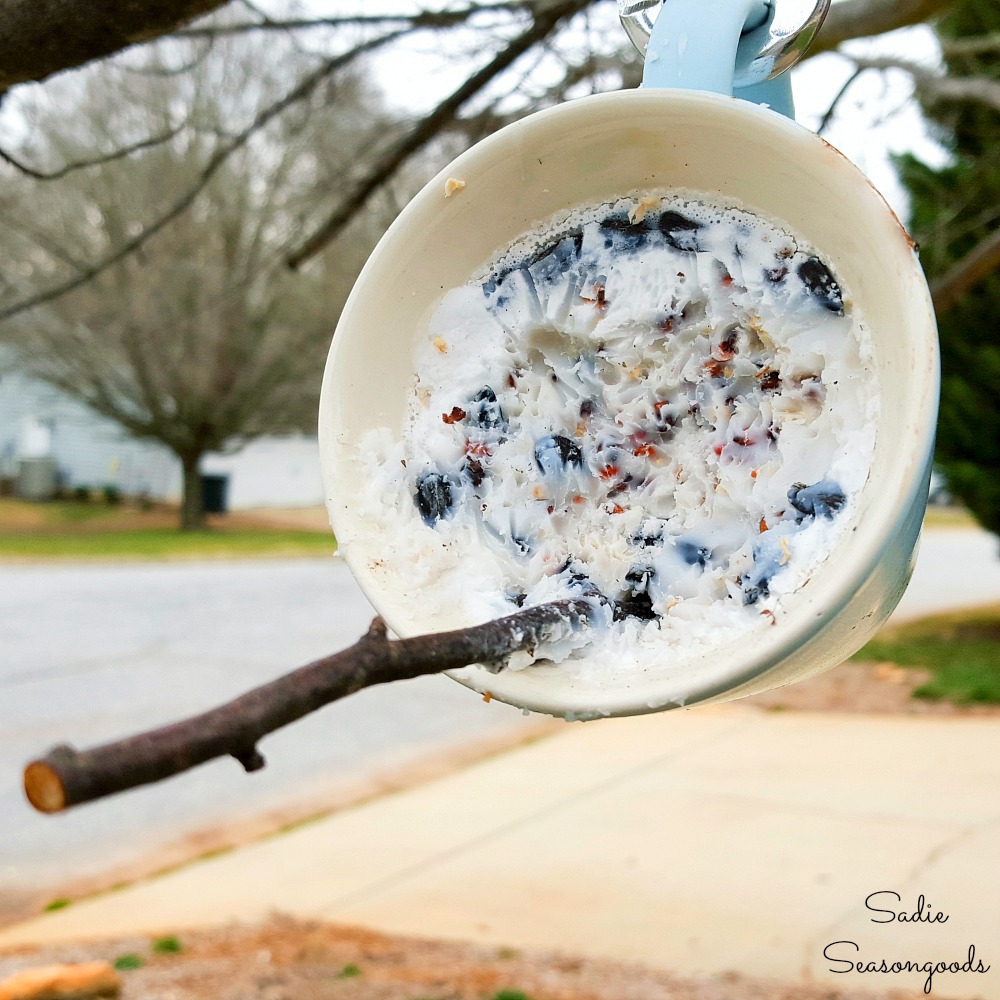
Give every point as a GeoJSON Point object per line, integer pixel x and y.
{"type": "Point", "coordinates": [956, 568]}
{"type": "Point", "coordinates": [91, 653]}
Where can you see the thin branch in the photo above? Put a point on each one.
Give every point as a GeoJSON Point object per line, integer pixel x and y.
{"type": "Point", "coordinates": [934, 87]}
{"type": "Point", "coordinates": [983, 45]}
{"type": "Point", "coordinates": [975, 266]}
{"type": "Point", "coordinates": [166, 72]}
{"type": "Point", "coordinates": [959, 88]}
{"type": "Point", "coordinates": [51, 246]}
{"type": "Point", "coordinates": [841, 94]}
{"type": "Point", "coordinates": [301, 91]}
{"type": "Point", "coordinates": [947, 226]}
{"type": "Point", "coordinates": [268, 22]}
{"type": "Point", "coordinates": [66, 777]}
{"type": "Point", "coordinates": [429, 127]}
{"type": "Point", "coordinates": [422, 19]}
{"type": "Point", "coordinates": [864, 18]}
{"type": "Point", "coordinates": [97, 161]}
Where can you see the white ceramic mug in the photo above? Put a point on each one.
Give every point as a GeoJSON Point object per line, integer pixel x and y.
{"type": "Point", "coordinates": [595, 150]}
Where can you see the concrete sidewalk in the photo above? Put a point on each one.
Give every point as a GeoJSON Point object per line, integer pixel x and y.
{"type": "Point", "coordinates": [697, 841]}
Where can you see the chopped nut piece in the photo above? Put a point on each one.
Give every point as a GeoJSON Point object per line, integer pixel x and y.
{"type": "Point", "coordinates": [638, 213]}
{"type": "Point", "coordinates": [452, 186]}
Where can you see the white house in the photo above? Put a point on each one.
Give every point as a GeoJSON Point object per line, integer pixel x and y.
{"type": "Point", "coordinates": [37, 421]}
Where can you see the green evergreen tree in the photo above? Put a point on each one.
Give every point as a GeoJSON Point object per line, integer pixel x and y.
{"type": "Point", "coordinates": [954, 209]}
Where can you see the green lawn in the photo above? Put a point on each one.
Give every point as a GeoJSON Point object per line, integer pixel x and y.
{"type": "Point", "coordinates": [165, 543]}
{"type": "Point", "coordinates": [948, 517]}
{"type": "Point", "coordinates": [75, 530]}
{"type": "Point", "coordinates": [962, 650]}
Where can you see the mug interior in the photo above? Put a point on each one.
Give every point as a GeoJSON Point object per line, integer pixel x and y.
{"type": "Point", "coordinates": [594, 150]}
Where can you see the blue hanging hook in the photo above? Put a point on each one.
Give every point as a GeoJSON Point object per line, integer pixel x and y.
{"type": "Point", "coordinates": [741, 48]}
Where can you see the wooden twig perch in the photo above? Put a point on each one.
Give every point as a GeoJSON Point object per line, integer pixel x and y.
{"type": "Point", "coordinates": [66, 777]}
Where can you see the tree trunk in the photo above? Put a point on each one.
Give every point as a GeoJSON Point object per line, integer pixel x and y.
{"type": "Point", "coordinates": [192, 507]}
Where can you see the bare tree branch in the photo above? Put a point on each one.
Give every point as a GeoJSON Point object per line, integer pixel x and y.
{"type": "Point", "coordinates": [168, 71]}
{"type": "Point", "coordinates": [301, 91]}
{"type": "Point", "coordinates": [933, 87]}
{"type": "Point", "coordinates": [831, 111]}
{"type": "Point", "coordinates": [67, 777]}
{"type": "Point", "coordinates": [862, 18]}
{"type": "Point", "coordinates": [415, 21]}
{"type": "Point", "coordinates": [42, 37]}
{"type": "Point", "coordinates": [53, 247]}
{"type": "Point", "coordinates": [980, 263]}
{"type": "Point", "coordinates": [117, 154]}
{"type": "Point", "coordinates": [958, 88]}
{"type": "Point", "coordinates": [983, 45]}
{"type": "Point", "coordinates": [432, 125]}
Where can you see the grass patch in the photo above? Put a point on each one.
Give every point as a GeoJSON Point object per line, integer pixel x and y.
{"type": "Point", "coordinates": [129, 962]}
{"type": "Point", "coordinates": [23, 515]}
{"type": "Point", "coordinates": [948, 517]}
{"type": "Point", "coordinates": [169, 945]}
{"type": "Point", "coordinates": [165, 543]}
{"type": "Point", "coordinates": [69, 530]}
{"type": "Point", "coordinates": [961, 649]}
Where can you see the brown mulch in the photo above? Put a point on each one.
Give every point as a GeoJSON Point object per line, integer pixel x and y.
{"type": "Point", "coordinates": [290, 960]}
{"type": "Point", "coordinates": [864, 687]}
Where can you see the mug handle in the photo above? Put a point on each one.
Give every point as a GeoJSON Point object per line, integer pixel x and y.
{"type": "Point", "coordinates": [741, 48]}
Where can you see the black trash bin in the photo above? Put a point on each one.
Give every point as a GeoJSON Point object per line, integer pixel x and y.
{"type": "Point", "coordinates": [213, 494]}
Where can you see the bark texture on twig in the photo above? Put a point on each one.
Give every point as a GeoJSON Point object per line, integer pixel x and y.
{"type": "Point", "coordinates": [67, 777]}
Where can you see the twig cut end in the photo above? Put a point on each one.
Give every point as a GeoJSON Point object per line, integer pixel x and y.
{"type": "Point", "coordinates": [44, 788]}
